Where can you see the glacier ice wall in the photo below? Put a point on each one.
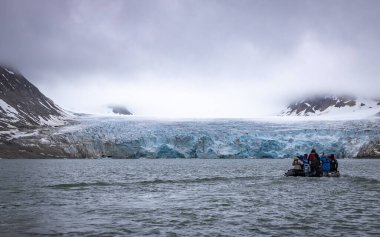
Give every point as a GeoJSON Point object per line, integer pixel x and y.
{"type": "Point", "coordinates": [130, 138]}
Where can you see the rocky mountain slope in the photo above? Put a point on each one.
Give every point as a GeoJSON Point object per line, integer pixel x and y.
{"type": "Point", "coordinates": [333, 105]}
{"type": "Point", "coordinates": [23, 106]}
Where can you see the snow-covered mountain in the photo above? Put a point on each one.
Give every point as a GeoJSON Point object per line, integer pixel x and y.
{"type": "Point", "coordinates": [347, 106]}
{"type": "Point", "coordinates": [22, 105]}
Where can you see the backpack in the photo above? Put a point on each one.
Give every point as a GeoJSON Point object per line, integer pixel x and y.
{"type": "Point", "coordinates": [313, 159]}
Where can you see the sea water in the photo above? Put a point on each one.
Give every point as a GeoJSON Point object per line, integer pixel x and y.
{"type": "Point", "coordinates": [186, 197]}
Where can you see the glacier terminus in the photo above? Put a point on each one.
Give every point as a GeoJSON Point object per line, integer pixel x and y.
{"type": "Point", "coordinates": [121, 137]}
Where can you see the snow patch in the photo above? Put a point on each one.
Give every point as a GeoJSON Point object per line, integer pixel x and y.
{"type": "Point", "coordinates": [45, 141]}
{"type": "Point", "coordinates": [52, 121]}
{"type": "Point", "coordinates": [5, 77]}
{"type": "Point", "coordinates": [11, 112]}
{"type": "Point", "coordinates": [16, 134]}
{"type": "Point", "coordinates": [8, 132]}
{"type": "Point", "coordinates": [9, 71]}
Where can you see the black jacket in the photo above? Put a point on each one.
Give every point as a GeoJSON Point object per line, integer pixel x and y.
{"type": "Point", "coordinates": [333, 165]}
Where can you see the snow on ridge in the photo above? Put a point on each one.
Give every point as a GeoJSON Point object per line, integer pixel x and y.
{"type": "Point", "coordinates": [9, 71]}
{"type": "Point", "coordinates": [6, 78]}
{"type": "Point", "coordinates": [43, 105]}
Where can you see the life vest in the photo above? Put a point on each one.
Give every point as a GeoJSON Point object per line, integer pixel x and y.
{"type": "Point", "coordinates": [325, 164]}
{"type": "Point", "coordinates": [314, 160]}
{"type": "Point", "coordinates": [325, 160]}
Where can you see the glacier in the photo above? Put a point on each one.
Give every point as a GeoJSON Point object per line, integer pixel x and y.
{"type": "Point", "coordinates": [121, 137]}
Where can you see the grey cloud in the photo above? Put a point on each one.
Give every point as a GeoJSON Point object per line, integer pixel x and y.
{"type": "Point", "coordinates": [252, 43]}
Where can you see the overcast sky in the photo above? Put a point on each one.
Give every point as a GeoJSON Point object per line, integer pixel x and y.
{"type": "Point", "coordinates": [192, 58]}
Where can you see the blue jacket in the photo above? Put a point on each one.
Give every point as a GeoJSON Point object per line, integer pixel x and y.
{"type": "Point", "coordinates": [325, 164]}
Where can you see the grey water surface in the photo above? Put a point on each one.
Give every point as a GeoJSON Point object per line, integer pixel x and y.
{"type": "Point", "coordinates": [185, 197]}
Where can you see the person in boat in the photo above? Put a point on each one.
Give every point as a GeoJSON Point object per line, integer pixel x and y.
{"type": "Point", "coordinates": [333, 164]}
{"type": "Point", "coordinates": [325, 164]}
{"type": "Point", "coordinates": [297, 165]}
{"type": "Point", "coordinates": [314, 163]}
{"type": "Point", "coordinates": [306, 165]}
{"type": "Point", "coordinates": [300, 157]}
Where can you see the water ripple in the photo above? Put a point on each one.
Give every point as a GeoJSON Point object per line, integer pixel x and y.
{"type": "Point", "coordinates": [186, 198]}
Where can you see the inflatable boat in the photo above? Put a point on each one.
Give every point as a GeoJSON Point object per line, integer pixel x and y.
{"type": "Point", "coordinates": [293, 172]}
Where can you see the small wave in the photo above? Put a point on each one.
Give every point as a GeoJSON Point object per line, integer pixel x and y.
{"type": "Point", "coordinates": [196, 180]}
{"type": "Point", "coordinates": [79, 185]}
{"type": "Point", "coordinates": [176, 181]}
{"type": "Point", "coordinates": [83, 185]}
{"type": "Point", "coordinates": [361, 179]}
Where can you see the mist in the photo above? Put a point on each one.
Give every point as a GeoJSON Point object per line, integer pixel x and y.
{"type": "Point", "coordinates": [233, 59]}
